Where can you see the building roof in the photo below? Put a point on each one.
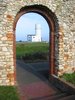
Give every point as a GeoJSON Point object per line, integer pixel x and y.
{"type": "Point", "coordinates": [31, 35]}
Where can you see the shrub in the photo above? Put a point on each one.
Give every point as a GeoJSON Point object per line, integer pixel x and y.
{"type": "Point", "coordinates": [35, 56]}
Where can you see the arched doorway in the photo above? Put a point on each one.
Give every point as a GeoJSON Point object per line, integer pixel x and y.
{"type": "Point", "coordinates": [50, 18]}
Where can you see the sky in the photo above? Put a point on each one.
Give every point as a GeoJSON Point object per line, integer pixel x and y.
{"type": "Point", "coordinates": [26, 25]}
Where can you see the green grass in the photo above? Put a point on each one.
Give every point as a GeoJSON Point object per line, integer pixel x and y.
{"type": "Point", "coordinates": [69, 78]}
{"type": "Point", "coordinates": [8, 93]}
{"type": "Point", "coordinates": [26, 48]}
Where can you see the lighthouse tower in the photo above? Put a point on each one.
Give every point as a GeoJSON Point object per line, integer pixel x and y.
{"type": "Point", "coordinates": [37, 36]}
{"type": "Point", "coordinates": [38, 32]}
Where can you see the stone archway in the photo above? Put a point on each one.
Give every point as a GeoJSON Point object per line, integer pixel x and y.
{"type": "Point", "coordinates": [62, 52]}
{"type": "Point", "coordinates": [50, 18]}
{"type": "Point", "coordinates": [62, 36]}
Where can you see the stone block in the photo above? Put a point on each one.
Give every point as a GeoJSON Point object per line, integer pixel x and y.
{"type": "Point", "coordinates": [9, 17]}
{"type": "Point", "coordinates": [4, 49]}
{"type": "Point", "coordinates": [4, 38]}
{"type": "Point", "coordinates": [9, 36]}
{"type": "Point", "coordinates": [66, 57]}
{"type": "Point", "coordinates": [10, 75]}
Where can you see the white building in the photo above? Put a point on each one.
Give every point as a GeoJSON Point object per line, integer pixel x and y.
{"type": "Point", "coordinates": [37, 36]}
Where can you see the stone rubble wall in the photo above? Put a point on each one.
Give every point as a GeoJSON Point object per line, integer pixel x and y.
{"type": "Point", "coordinates": [65, 58]}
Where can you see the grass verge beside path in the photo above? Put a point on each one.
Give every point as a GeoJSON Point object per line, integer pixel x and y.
{"type": "Point", "coordinates": [8, 93]}
{"type": "Point", "coordinates": [69, 78]}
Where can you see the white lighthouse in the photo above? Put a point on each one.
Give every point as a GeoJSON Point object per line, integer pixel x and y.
{"type": "Point", "coordinates": [37, 36]}
{"type": "Point", "coordinates": [38, 32]}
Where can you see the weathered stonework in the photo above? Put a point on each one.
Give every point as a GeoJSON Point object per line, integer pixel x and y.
{"type": "Point", "coordinates": [65, 58]}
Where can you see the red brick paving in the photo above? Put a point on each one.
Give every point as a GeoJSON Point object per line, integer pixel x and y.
{"type": "Point", "coordinates": [35, 90]}
{"type": "Point", "coordinates": [30, 85]}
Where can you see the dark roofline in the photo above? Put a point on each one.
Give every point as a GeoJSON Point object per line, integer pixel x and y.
{"type": "Point", "coordinates": [31, 35]}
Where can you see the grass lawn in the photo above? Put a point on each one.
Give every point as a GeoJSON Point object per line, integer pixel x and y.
{"type": "Point", "coordinates": [8, 93]}
{"type": "Point", "coordinates": [31, 50]}
{"type": "Point", "coordinates": [69, 78]}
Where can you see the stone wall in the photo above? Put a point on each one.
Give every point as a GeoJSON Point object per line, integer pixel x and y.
{"type": "Point", "coordinates": [65, 58]}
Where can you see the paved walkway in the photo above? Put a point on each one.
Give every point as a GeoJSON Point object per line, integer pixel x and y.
{"type": "Point", "coordinates": [31, 84]}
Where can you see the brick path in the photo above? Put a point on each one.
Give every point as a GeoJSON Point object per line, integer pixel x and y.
{"type": "Point", "coordinates": [31, 85]}
{"type": "Point", "coordinates": [36, 90]}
